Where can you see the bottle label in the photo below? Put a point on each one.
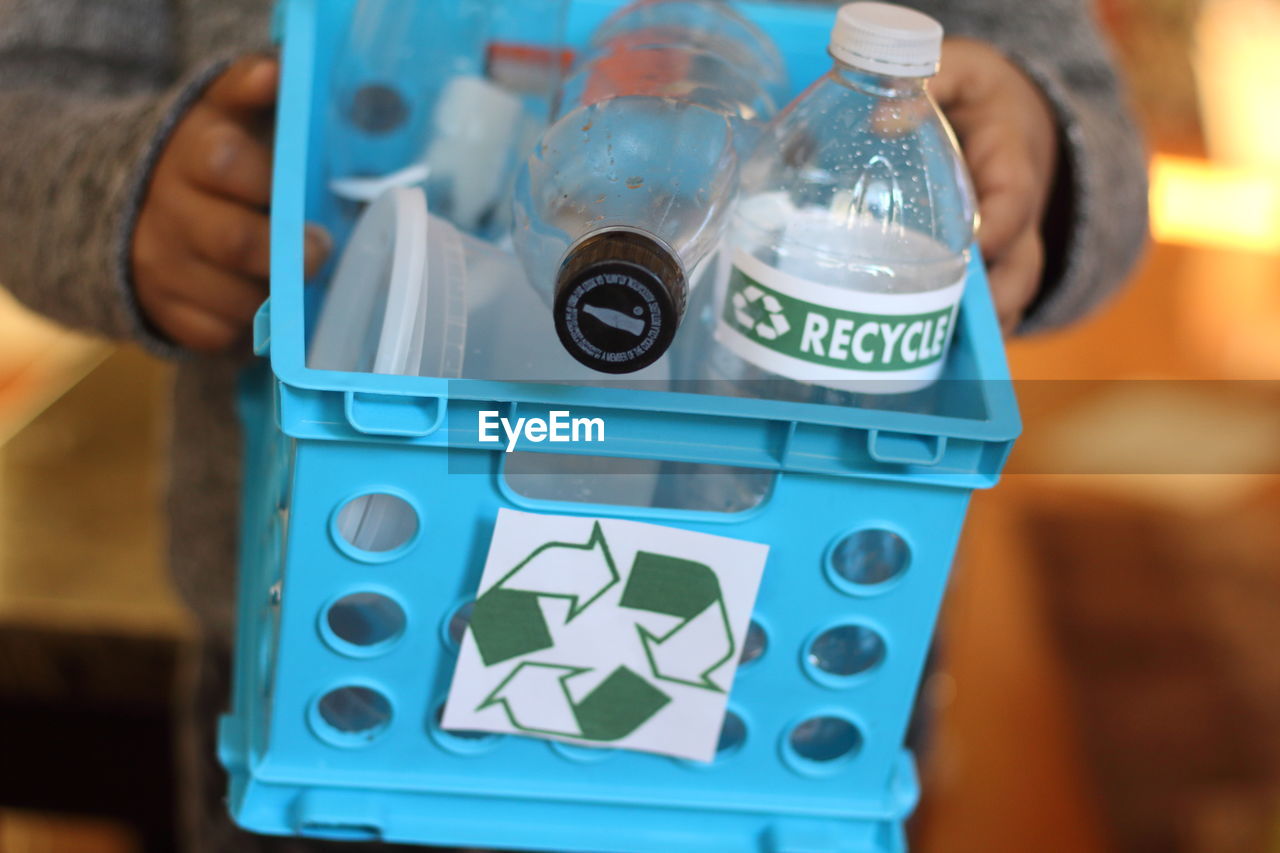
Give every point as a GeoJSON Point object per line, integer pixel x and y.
{"type": "Point", "coordinates": [825, 335]}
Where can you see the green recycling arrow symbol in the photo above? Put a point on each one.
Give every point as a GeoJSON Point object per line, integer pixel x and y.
{"type": "Point", "coordinates": [507, 620]}
{"type": "Point", "coordinates": [536, 699]}
{"type": "Point", "coordinates": [772, 325]}
{"type": "Point", "coordinates": [703, 640]}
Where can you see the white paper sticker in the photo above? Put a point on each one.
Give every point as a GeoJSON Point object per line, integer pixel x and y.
{"type": "Point", "coordinates": [606, 633]}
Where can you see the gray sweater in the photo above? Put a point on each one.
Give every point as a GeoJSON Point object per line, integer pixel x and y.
{"type": "Point", "coordinates": [89, 91]}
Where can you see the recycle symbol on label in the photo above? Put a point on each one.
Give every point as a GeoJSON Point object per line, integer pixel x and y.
{"type": "Point", "coordinates": [770, 327]}
{"type": "Point", "coordinates": [508, 622]}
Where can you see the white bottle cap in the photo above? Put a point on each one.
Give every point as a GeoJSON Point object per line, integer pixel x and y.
{"type": "Point", "coordinates": [884, 38]}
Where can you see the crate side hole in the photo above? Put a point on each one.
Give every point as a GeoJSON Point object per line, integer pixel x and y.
{"type": "Point", "coordinates": [734, 732]}
{"type": "Point", "coordinates": [378, 524]}
{"type": "Point", "coordinates": [869, 560]}
{"type": "Point", "coordinates": [367, 620]}
{"type": "Point", "coordinates": [846, 651]}
{"type": "Point", "coordinates": [353, 715]}
{"type": "Point", "coordinates": [459, 620]}
{"type": "Point", "coordinates": [821, 744]}
{"type": "Point", "coordinates": [755, 644]}
{"type": "Point", "coordinates": [733, 735]}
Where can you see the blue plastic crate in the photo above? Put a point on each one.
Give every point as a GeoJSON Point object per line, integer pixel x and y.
{"type": "Point", "coordinates": [316, 440]}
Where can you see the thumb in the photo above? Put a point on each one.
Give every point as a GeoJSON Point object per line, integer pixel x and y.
{"type": "Point", "coordinates": [249, 85]}
{"type": "Point", "coordinates": [959, 76]}
{"type": "Point", "coordinates": [944, 87]}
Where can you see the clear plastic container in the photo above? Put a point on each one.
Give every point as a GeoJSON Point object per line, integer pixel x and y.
{"type": "Point", "coordinates": [849, 247]}
{"type": "Point", "coordinates": [397, 301]}
{"type": "Point", "coordinates": [628, 192]}
{"type": "Point", "coordinates": [414, 296]}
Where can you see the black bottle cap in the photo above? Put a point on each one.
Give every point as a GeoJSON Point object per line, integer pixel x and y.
{"type": "Point", "coordinates": [619, 299]}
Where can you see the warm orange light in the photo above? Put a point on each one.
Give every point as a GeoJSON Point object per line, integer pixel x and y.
{"type": "Point", "coordinates": [1200, 203]}
{"type": "Point", "coordinates": [1237, 63]}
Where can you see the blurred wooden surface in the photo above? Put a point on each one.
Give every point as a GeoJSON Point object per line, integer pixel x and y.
{"type": "Point", "coordinates": [25, 832]}
{"type": "Point", "coordinates": [81, 507]}
{"type": "Point", "coordinates": [38, 363]}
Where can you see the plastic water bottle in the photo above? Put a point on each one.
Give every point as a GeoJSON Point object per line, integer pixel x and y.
{"type": "Point", "coordinates": [693, 50]}
{"type": "Point", "coordinates": [629, 190]}
{"type": "Point", "coordinates": [848, 251]}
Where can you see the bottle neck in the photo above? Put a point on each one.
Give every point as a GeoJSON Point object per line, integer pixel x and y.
{"type": "Point", "coordinates": [880, 85]}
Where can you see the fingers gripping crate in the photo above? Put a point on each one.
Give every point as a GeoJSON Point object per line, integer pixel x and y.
{"type": "Point", "coordinates": [863, 517]}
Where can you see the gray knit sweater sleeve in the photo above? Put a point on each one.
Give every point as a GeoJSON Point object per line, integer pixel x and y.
{"type": "Point", "coordinates": [1096, 225]}
{"type": "Point", "coordinates": [87, 94]}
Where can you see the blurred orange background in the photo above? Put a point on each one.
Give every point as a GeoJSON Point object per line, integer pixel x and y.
{"type": "Point", "coordinates": [1111, 649]}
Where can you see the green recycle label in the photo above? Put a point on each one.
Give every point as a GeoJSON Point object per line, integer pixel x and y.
{"type": "Point", "coordinates": [508, 622]}
{"type": "Point", "coordinates": [834, 337]}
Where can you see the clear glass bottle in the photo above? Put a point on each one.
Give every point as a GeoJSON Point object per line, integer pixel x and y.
{"type": "Point", "coordinates": [629, 190]}
{"type": "Point", "coordinates": [848, 250]}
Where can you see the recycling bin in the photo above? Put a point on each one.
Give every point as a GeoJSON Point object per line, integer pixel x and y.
{"type": "Point", "coordinates": [336, 732]}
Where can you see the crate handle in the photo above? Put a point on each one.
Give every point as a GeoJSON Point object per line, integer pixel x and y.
{"type": "Point", "coordinates": [338, 815]}
{"type": "Point", "coordinates": [394, 415]}
{"type": "Point", "coordinates": [905, 448]}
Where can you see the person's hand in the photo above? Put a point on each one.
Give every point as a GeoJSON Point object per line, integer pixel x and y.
{"type": "Point", "coordinates": [201, 252]}
{"type": "Point", "coordinates": [1007, 130]}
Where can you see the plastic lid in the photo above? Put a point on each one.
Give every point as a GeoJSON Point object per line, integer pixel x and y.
{"type": "Point", "coordinates": [619, 299]}
{"type": "Point", "coordinates": [884, 38]}
{"type": "Point", "coordinates": [365, 190]}
{"type": "Point", "coordinates": [440, 331]}
{"type": "Point", "coordinates": [378, 279]}
{"type": "Point", "coordinates": [396, 303]}
{"type": "Point", "coordinates": [407, 221]}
